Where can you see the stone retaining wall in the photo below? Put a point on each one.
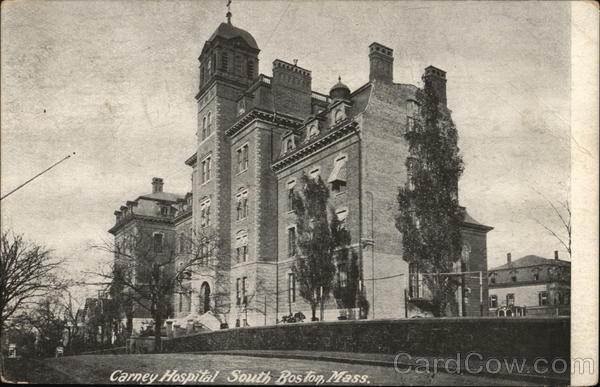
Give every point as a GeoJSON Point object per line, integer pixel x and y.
{"type": "Point", "coordinates": [491, 337]}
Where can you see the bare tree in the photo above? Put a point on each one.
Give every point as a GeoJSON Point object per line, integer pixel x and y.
{"type": "Point", "coordinates": [149, 272]}
{"type": "Point", "coordinates": [27, 272]}
{"type": "Point", "coordinates": [562, 211]}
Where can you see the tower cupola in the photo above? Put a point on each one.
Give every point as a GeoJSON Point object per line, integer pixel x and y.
{"type": "Point", "coordinates": [339, 90]}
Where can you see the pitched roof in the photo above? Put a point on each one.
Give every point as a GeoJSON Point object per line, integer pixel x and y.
{"type": "Point", "coordinates": [468, 220]}
{"type": "Point", "coordinates": [228, 31]}
{"type": "Point", "coordinates": [531, 260]}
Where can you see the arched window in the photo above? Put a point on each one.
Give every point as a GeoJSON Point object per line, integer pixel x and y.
{"type": "Point", "coordinates": [204, 127]}
{"type": "Point", "coordinates": [338, 115]}
{"type": "Point", "coordinates": [289, 145]}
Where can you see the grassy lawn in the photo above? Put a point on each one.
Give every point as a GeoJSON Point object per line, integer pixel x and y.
{"type": "Point", "coordinates": [98, 369]}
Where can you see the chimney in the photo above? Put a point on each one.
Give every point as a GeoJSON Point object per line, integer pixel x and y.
{"type": "Point", "coordinates": [508, 257]}
{"type": "Point", "coordinates": [381, 63]}
{"type": "Point", "coordinates": [556, 255]}
{"type": "Point", "coordinates": [436, 80]}
{"type": "Point", "coordinates": [157, 184]}
{"type": "Point", "coordinates": [291, 88]}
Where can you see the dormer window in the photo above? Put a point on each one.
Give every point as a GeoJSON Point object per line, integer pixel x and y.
{"type": "Point", "coordinates": [241, 107]}
{"type": "Point", "coordinates": [164, 211]}
{"type": "Point", "coordinates": [289, 144]}
{"type": "Point", "coordinates": [338, 115]}
{"type": "Point", "coordinates": [313, 130]}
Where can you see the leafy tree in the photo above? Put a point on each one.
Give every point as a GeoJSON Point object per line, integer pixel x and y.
{"type": "Point", "coordinates": [346, 289]}
{"type": "Point", "coordinates": [429, 216]}
{"type": "Point", "coordinates": [27, 272]}
{"type": "Point", "coordinates": [314, 267]}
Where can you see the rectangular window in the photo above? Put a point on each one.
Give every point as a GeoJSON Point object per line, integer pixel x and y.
{"type": "Point", "coordinates": [250, 69]}
{"type": "Point", "coordinates": [245, 156]}
{"type": "Point", "coordinates": [158, 243]}
{"type": "Point", "coordinates": [513, 278]}
{"type": "Point", "coordinates": [239, 160]}
{"type": "Point", "coordinates": [180, 302]}
{"type": "Point", "coordinates": [244, 289]}
{"type": "Point", "coordinates": [245, 253]}
{"type": "Point", "coordinates": [238, 254]}
{"type": "Point", "coordinates": [543, 298]}
{"type": "Point", "coordinates": [341, 217]}
{"type": "Point", "coordinates": [342, 275]}
{"type": "Point", "coordinates": [292, 241]}
{"type": "Point", "coordinates": [291, 287]}
{"type": "Point", "coordinates": [181, 243]}
{"type": "Point", "coordinates": [245, 207]}
{"type": "Point", "coordinates": [413, 284]}
{"type": "Point", "coordinates": [290, 199]}
{"type": "Point", "coordinates": [510, 299]}
{"type": "Point", "coordinates": [410, 124]}
{"type": "Point", "coordinates": [206, 170]}
{"type": "Point", "coordinates": [493, 301]}
{"type": "Point", "coordinates": [237, 292]}
{"type": "Point", "coordinates": [224, 61]}
{"type": "Point", "coordinates": [238, 210]}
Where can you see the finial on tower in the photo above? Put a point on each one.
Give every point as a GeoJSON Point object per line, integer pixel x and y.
{"type": "Point", "coordinates": [228, 15]}
{"type": "Point", "coordinates": [339, 78]}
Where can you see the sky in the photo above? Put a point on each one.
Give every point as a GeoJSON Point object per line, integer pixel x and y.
{"type": "Point", "coordinates": [114, 81]}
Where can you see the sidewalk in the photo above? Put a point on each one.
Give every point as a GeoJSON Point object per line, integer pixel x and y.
{"type": "Point", "coordinates": [415, 364]}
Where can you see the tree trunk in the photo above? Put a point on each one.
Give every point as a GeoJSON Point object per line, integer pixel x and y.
{"type": "Point", "coordinates": [313, 308]}
{"type": "Point", "coordinates": [157, 332]}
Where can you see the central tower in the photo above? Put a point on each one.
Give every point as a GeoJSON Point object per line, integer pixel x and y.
{"type": "Point", "coordinates": [228, 65]}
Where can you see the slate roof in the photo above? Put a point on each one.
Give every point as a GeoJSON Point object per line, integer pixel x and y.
{"type": "Point", "coordinates": [531, 260]}
{"type": "Point", "coordinates": [168, 196]}
{"type": "Point", "coordinates": [228, 31]}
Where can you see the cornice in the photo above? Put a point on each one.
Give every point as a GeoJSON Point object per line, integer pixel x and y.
{"type": "Point", "coordinates": [182, 216]}
{"type": "Point", "coordinates": [134, 217]}
{"type": "Point", "coordinates": [191, 161]}
{"type": "Point", "coordinates": [257, 114]}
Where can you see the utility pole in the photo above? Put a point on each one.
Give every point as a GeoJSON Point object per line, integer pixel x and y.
{"type": "Point", "coordinates": [39, 174]}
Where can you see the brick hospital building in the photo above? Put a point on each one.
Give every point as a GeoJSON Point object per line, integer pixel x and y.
{"type": "Point", "coordinates": [257, 134]}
